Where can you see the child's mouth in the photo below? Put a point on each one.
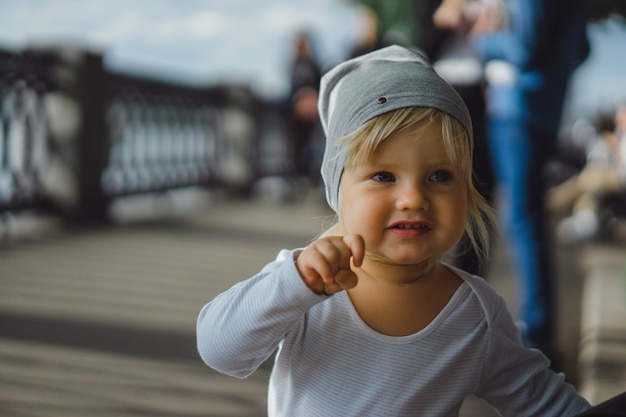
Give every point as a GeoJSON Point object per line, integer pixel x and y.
{"type": "Point", "coordinates": [410, 226]}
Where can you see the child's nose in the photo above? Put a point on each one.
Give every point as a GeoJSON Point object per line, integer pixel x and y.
{"type": "Point", "coordinates": [412, 197]}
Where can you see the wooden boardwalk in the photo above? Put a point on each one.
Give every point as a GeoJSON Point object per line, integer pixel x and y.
{"type": "Point", "coordinates": [101, 322]}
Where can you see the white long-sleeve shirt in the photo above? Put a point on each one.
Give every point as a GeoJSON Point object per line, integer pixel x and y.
{"type": "Point", "coordinates": [330, 363]}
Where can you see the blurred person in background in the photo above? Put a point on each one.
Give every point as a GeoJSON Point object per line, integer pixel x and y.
{"type": "Point", "coordinates": [305, 80]}
{"type": "Point", "coordinates": [538, 48]}
{"type": "Point", "coordinates": [596, 197]}
{"type": "Point", "coordinates": [441, 28]}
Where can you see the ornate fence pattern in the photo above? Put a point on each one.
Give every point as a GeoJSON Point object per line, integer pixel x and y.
{"type": "Point", "coordinates": [74, 136]}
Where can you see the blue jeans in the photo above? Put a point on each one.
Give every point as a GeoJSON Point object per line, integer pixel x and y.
{"type": "Point", "coordinates": [519, 155]}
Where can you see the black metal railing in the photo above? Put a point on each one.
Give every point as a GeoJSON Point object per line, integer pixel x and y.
{"type": "Point", "coordinates": [23, 130]}
{"type": "Point", "coordinates": [74, 136]}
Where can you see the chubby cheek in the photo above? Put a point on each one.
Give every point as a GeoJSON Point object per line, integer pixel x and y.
{"type": "Point", "coordinates": [360, 214]}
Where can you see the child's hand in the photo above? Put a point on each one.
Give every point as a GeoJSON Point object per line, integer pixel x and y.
{"type": "Point", "coordinates": [490, 18]}
{"type": "Point", "coordinates": [325, 264]}
{"type": "Point", "coordinates": [449, 14]}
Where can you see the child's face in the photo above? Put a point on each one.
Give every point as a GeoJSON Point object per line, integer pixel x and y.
{"type": "Point", "coordinates": [408, 202]}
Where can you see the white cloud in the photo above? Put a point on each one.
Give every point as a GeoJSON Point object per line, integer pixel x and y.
{"type": "Point", "coordinates": [207, 24]}
{"type": "Point", "coordinates": [120, 29]}
{"type": "Point", "coordinates": [284, 18]}
{"type": "Point", "coordinates": [279, 19]}
{"type": "Point", "coordinates": [132, 28]}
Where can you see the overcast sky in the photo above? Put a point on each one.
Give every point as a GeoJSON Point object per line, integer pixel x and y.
{"type": "Point", "coordinates": [196, 41]}
{"type": "Point", "coordinates": [250, 41]}
{"type": "Point", "coordinates": [601, 81]}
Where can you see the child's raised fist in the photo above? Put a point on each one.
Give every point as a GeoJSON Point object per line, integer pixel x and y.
{"type": "Point", "coordinates": [325, 265]}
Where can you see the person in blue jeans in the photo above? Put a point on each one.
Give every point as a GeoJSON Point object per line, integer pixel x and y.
{"type": "Point", "coordinates": [532, 57]}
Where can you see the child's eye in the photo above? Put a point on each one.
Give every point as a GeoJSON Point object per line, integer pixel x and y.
{"type": "Point", "coordinates": [383, 176]}
{"type": "Point", "coordinates": [441, 176]}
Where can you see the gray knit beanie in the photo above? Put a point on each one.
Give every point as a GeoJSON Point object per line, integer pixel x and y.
{"type": "Point", "coordinates": [367, 86]}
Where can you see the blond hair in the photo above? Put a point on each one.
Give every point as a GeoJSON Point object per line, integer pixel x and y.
{"type": "Point", "coordinates": [363, 143]}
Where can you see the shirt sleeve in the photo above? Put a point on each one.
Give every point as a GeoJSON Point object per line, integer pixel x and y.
{"type": "Point", "coordinates": [517, 381]}
{"type": "Point", "coordinates": [241, 328]}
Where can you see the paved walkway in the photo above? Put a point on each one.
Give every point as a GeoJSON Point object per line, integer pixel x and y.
{"type": "Point", "coordinates": [101, 322]}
